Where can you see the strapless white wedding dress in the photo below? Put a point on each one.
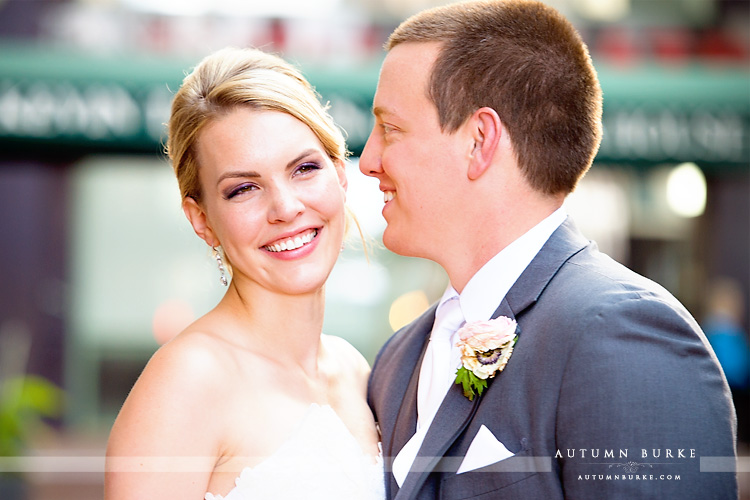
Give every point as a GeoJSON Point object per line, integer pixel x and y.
{"type": "Point", "coordinates": [321, 460]}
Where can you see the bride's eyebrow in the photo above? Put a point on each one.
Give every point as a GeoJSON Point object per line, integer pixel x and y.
{"type": "Point", "coordinates": [236, 174]}
{"type": "Point", "coordinates": [300, 156]}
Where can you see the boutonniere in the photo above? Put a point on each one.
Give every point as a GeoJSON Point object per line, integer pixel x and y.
{"type": "Point", "coordinates": [485, 347]}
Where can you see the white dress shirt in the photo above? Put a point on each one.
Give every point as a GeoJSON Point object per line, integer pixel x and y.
{"type": "Point", "coordinates": [479, 299]}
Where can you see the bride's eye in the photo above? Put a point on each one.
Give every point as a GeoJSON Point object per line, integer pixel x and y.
{"type": "Point", "coordinates": [237, 190]}
{"type": "Point", "coordinates": [306, 168]}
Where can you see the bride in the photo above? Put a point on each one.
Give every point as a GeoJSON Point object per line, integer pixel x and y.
{"type": "Point", "coordinates": [252, 401]}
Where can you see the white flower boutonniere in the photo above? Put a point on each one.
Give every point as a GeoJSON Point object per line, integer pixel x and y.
{"type": "Point", "coordinates": [485, 347]}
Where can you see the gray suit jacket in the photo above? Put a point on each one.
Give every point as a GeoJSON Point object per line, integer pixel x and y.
{"type": "Point", "coordinates": [612, 392]}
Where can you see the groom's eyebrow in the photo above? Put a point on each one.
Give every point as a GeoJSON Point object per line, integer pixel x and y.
{"type": "Point", "coordinates": [379, 111]}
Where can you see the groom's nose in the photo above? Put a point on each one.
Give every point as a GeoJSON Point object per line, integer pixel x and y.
{"type": "Point", "coordinates": [370, 159]}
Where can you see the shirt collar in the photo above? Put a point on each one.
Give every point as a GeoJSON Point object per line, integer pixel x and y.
{"type": "Point", "coordinates": [449, 293]}
{"type": "Point", "coordinates": [487, 288]}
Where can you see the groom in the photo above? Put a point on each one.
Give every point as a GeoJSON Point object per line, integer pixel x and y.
{"type": "Point", "coordinates": [487, 115]}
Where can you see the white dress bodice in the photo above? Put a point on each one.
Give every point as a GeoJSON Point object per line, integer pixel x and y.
{"type": "Point", "coordinates": [321, 460]}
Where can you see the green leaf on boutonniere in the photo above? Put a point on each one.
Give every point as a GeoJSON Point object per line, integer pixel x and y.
{"type": "Point", "coordinates": [470, 383]}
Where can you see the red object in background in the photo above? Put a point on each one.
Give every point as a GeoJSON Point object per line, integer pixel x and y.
{"type": "Point", "coordinates": [277, 30]}
{"type": "Point", "coordinates": [671, 45]}
{"type": "Point", "coordinates": [617, 45]}
{"type": "Point", "coordinates": [716, 44]}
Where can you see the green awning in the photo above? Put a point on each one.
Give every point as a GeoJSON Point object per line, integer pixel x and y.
{"type": "Point", "coordinates": [52, 98]}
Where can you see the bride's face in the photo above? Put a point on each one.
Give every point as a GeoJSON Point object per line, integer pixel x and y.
{"type": "Point", "coordinates": [272, 198]}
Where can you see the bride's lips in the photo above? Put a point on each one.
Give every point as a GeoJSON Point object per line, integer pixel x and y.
{"type": "Point", "coordinates": [293, 244]}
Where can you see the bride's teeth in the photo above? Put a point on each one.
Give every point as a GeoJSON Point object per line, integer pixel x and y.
{"type": "Point", "coordinates": [388, 195]}
{"type": "Point", "coordinates": [293, 243]}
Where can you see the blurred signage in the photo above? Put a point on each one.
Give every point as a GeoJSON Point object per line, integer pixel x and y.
{"type": "Point", "coordinates": [87, 113]}
{"type": "Point", "coordinates": [700, 134]}
{"type": "Point", "coordinates": [112, 115]}
{"type": "Point", "coordinates": [122, 106]}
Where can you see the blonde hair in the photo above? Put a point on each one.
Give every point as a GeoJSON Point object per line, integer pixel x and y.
{"type": "Point", "coordinates": [235, 77]}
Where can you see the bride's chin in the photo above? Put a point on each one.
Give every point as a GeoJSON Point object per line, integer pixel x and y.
{"type": "Point", "coordinates": [303, 284]}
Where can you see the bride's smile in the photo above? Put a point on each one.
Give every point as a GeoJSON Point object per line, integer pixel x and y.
{"type": "Point", "coordinates": [287, 244]}
{"type": "Point", "coordinates": [272, 199]}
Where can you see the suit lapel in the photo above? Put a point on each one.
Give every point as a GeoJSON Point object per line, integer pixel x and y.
{"type": "Point", "coordinates": [406, 423]}
{"type": "Point", "coordinates": [456, 411]}
{"type": "Point", "coordinates": [454, 415]}
{"type": "Point", "coordinates": [409, 363]}
{"type": "Point", "coordinates": [565, 242]}
{"type": "Point", "coordinates": [504, 310]}
{"type": "Point", "coordinates": [405, 419]}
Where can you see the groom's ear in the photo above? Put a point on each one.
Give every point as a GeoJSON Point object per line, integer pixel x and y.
{"type": "Point", "coordinates": [486, 130]}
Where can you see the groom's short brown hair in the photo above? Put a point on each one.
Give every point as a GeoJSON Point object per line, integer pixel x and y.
{"type": "Point", "coordinates": [527, 62]}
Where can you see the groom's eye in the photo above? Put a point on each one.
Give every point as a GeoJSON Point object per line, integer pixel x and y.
{"type": "Point", "coordinates": [386, 128]}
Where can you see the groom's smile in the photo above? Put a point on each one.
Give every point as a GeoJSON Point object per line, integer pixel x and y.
{"type": "Point", "coordinates": [418, 165]}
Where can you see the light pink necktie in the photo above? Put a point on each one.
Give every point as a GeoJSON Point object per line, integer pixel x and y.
{"type": "Point", "coordinates": [438, 370]}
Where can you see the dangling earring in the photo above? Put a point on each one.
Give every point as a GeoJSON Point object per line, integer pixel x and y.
{"type": "Point", "coordinates": [222, 276]}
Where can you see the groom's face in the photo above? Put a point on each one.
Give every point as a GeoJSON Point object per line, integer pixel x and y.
{"type": "Point", "coordinates": [418, 165]}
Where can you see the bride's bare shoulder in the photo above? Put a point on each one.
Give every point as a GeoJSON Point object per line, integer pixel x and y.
{"type": "Point", "coordinates": [194, 353]}
{"type": "Point", "coordinates": [206, 354]}
{"type": "Point", "coordinates": [347, 357]}
{"type": "Point", "coordinates": [176, 409]}
{"type": "Point", "coordinates": [184, 370]}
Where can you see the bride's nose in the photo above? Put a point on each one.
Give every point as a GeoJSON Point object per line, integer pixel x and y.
{"type": "Point", "coordinates": [285, 205]}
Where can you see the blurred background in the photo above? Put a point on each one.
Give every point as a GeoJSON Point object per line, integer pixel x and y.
{"type": "Point", "coordinates": [98, 265]}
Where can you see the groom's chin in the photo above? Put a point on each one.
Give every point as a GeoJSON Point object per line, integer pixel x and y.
{"type": "Point", "coordinates": [400, 243]}
{"type": "Point", "coordinates": [393, 241]}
